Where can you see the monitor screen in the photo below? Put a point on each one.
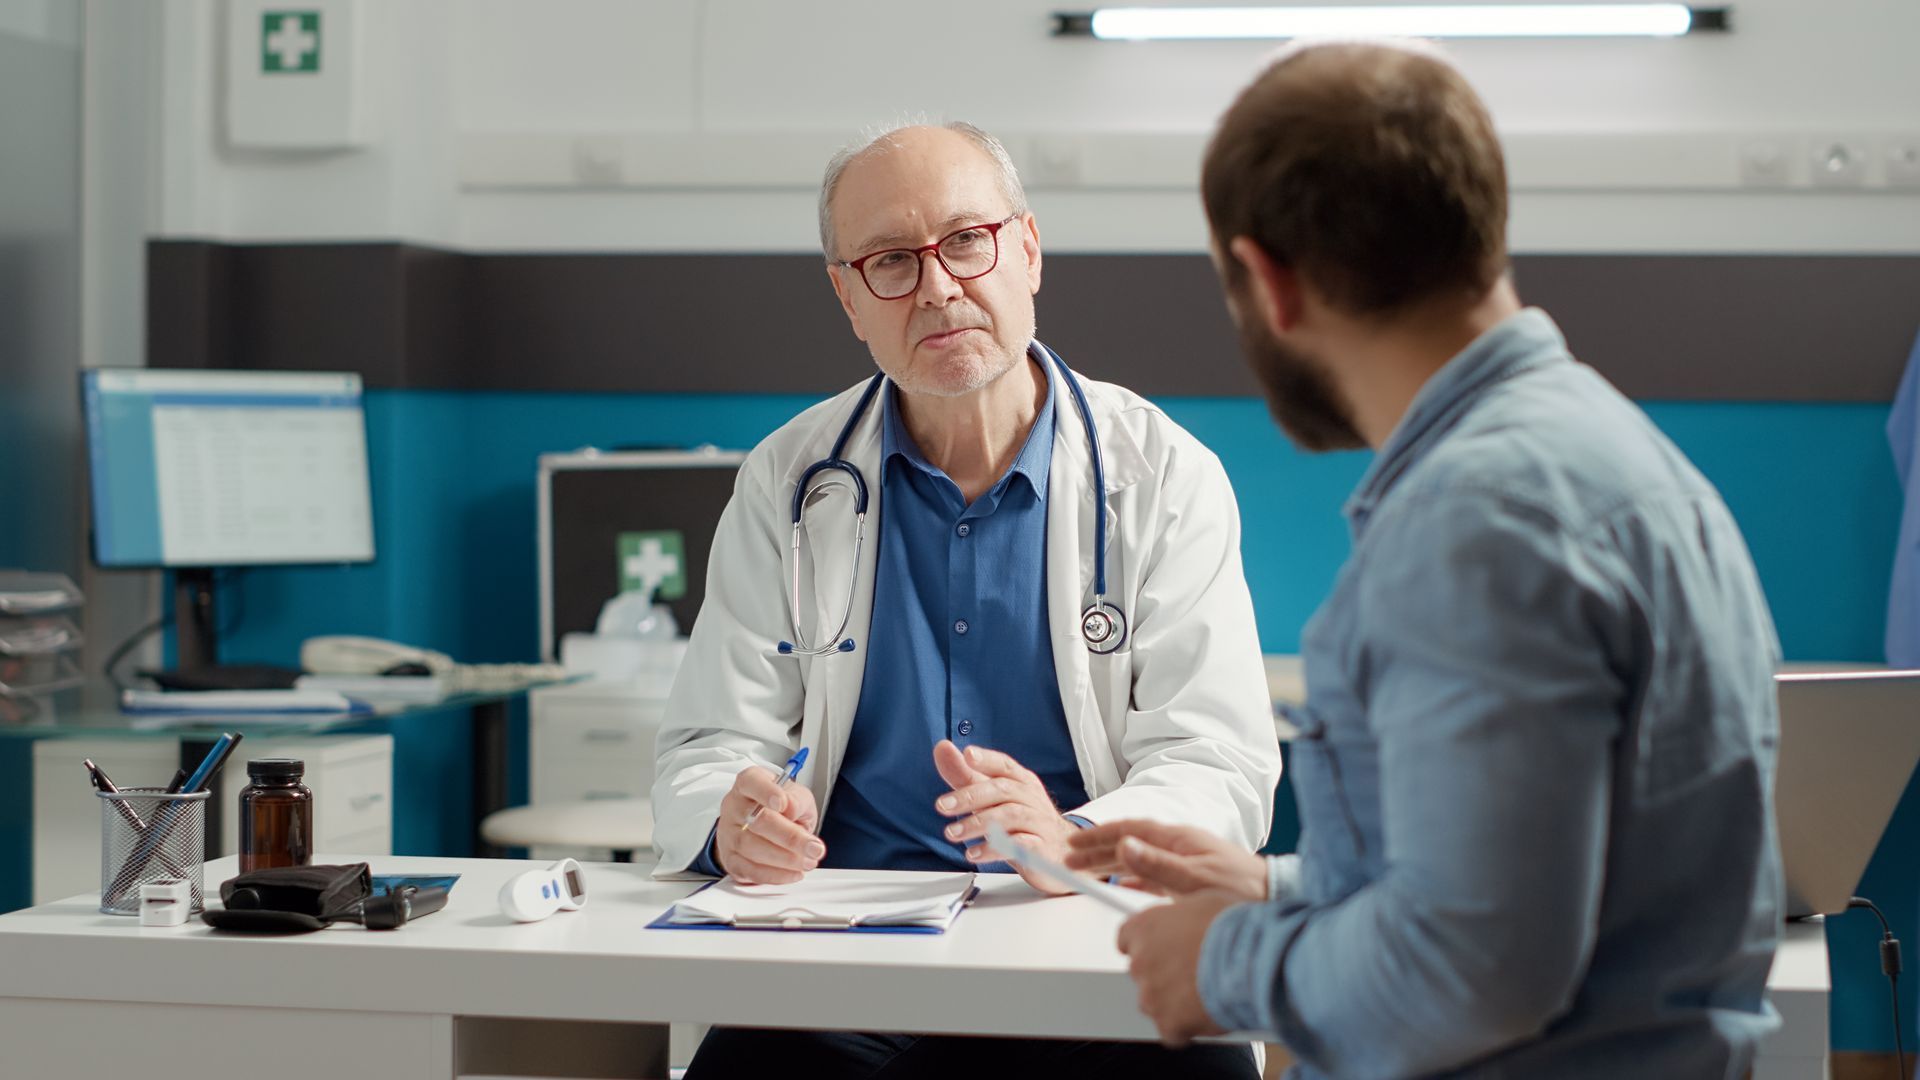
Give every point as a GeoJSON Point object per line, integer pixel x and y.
{"type": "Point", "coordinates": [227, 468]}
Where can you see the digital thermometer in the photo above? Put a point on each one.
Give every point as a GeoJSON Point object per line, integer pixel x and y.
{"type": "Point", "coordinates": [536, 894]}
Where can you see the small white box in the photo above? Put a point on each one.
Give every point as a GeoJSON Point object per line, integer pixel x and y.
{"type": "Point", "coordinates": [166, 903]}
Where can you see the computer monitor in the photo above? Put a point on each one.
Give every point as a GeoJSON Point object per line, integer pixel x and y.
{"type": "Point", "coordinates": [193, 470]}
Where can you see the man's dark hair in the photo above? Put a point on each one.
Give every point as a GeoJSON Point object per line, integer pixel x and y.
{"type": "Point", "coordinates": [1372, 170]}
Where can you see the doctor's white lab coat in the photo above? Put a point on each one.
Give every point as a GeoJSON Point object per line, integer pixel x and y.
{"type": "Point", "coordinates": [1175, 726]}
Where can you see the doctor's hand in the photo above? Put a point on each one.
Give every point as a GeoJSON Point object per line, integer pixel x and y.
{"type": "Point", "coordinates": [1172, 860]}
{"type": "Point", "coordinates": [990, 787]}
{"type": "Point", "coordinates": [779, 847]}
{"type": "Point", "coordinates": [1162, 946]}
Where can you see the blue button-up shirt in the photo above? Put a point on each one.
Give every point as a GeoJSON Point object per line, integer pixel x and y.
{"type": "Point", "coordinates": [1535, 764]}
{"type": "Point", "coordinates": [959, 650]}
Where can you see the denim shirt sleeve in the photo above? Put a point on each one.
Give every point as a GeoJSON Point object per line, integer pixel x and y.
{"type": "Point", "coordinates": [1489, 638]}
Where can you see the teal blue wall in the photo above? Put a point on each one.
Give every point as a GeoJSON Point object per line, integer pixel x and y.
{"type": "Point", "coordinates": [1812, 485]}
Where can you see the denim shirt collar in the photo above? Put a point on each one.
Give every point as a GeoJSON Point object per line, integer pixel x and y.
{"type": "Point", "coordinates": [1523, 341]}
{"type": "Point", "coordinates": [1036, 454]}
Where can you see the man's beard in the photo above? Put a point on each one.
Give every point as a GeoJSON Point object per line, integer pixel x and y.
{"type": "Point", "coordinates": [1300, 392]}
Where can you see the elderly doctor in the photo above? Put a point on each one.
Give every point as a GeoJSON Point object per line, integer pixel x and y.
{"type": "Point", "coordinates": [976, 588]}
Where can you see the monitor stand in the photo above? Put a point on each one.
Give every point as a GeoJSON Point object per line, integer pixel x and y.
{"type": "Point", "coordinates": [196, 626]}
{"type": "Point", "coordinates": [197, 647]}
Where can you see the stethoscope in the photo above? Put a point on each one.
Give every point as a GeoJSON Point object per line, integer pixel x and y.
{"type": "Point", "coordinates": [1102, 625]}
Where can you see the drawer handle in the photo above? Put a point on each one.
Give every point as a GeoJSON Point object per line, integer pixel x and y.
{"type": "Point", "coordinates": [361, 802]}
{"type": "Point", "coordinates": [593, 796]}
{"type": "Point", "coordinates": [608, 735]}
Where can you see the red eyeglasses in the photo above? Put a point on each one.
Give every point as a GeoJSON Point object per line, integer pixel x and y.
{"type": "Point", "coordinates": [965, 254]}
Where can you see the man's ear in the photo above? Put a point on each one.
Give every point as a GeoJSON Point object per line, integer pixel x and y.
{"type": "Point", "coordinates": [1030, 242]}
{"type": "Point", "coordinates": [1275, 288]}
{"type": "Point", "coordinates": [839, 275]}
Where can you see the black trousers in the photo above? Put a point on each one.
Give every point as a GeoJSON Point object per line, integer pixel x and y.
{"type": "Point", "coordinates": [752, 1052]}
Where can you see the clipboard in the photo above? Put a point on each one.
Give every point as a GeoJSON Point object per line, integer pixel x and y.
{"type": "Point", "coordinates": [798, 920]}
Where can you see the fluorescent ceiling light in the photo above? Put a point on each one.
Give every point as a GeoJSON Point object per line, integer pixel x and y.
{"type": "Point", "coordinates": [1402, 20]}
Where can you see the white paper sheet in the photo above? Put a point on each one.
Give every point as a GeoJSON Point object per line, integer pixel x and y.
{"type": "Point", "coordinates": [834, 898]}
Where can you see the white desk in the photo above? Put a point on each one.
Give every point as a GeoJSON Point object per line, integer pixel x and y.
{"type": "Point", "coordinates": [84, 994]}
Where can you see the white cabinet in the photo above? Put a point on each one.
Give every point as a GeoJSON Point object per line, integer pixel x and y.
{"type": "Point", "coordinates": [351, 777]}
{"type": "Point", "coordinates": [593, 740]}
{"type": "Point", "coordinates": [352, 781]}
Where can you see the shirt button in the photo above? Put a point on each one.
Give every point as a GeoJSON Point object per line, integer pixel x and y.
{"type": "Point", "coordinates": [963, 528]}
{"type": "Point", "coordinates": [960, 626]}
{"type": "Point", "coordinates": [966, 727]}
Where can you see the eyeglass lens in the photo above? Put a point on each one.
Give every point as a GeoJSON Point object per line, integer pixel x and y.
{"type": "Point", "coordinates": [966, 254]}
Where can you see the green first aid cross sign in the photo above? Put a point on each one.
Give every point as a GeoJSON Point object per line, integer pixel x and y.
{"type": "Point", "coordinates": [289, 42]}
{"type": "Point", "coordinates": [649, 557]}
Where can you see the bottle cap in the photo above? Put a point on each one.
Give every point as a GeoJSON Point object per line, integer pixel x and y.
{"type": "Point", "coordinates": [276, 768]}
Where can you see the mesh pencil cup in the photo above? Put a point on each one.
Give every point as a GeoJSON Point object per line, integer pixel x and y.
{"type": "Point", "coordinates": [149, 835]}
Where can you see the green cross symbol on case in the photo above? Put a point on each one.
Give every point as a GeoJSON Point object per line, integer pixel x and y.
{"type": "Point", "coordinates": [647, 557]}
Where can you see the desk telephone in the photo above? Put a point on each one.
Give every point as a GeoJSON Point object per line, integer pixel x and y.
{"type": "Point", "coordinates": [344, 654]}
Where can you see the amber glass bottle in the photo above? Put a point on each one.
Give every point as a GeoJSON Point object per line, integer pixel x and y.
{"type": "Point", "coordinates": [276, 815]}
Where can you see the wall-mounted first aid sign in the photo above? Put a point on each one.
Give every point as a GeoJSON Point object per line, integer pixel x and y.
{"type": "Point", "coordinates": [289, 42]}
{"type": "Point", "coordinates": [294, 75]}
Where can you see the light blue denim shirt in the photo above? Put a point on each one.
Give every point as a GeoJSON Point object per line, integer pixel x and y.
{"type": "Point", "coordinates": [1535, 766]}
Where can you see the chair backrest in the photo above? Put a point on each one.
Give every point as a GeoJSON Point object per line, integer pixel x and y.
{"type": "Point", "coordinates": [1848, 743]}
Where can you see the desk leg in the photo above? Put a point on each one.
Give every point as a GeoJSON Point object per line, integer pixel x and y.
{"type": "Point", "coordinates": [489, 770]}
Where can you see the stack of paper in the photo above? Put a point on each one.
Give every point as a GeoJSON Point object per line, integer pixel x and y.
{"type": "Point", "coordinates": [831, 899]}
{"type": "Point", "coordinates": [378, 689]}
{"type": "Point", "coordinates": [236, 701]}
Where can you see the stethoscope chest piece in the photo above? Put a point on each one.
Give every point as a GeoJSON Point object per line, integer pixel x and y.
{"type": "Point", "coordinates": [1103, 627]}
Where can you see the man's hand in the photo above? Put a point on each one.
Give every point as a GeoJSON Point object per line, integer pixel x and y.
{"type": "Point", "coordinates": [1162, 946]}
{"type": "Point", "coordinates": [988, 786]}
{"type": "Point", "coordinates": [779, 847]}
{"type": "Point", "coordinates": [1172, 860]}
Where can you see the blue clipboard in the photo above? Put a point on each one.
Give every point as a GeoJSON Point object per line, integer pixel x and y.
{"type": "Point", "coordinates": [664, 921]}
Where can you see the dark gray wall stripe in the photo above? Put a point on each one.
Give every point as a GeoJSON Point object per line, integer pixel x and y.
{"type": "Point", "coordinates": [1735, 327]}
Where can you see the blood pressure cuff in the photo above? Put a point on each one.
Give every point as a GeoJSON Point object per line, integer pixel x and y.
{"type": "Point", "coordinates": [291, 899]}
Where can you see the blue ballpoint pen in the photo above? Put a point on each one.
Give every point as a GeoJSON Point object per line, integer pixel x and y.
{"type": "Point", "coordinates": [786, 777]}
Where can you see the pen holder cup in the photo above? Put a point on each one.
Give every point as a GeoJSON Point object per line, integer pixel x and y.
{"type": "Point", "coordinates": [149, 835]}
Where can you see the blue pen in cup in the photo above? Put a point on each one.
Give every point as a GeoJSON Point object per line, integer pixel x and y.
{"type": "Point", "coordinates": [786, 777]}
{"type": "Point", "coordinates": [123, 890]}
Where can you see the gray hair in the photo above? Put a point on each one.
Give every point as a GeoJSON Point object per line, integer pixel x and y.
{"type": "Point", "coordinates": [1007, 177]}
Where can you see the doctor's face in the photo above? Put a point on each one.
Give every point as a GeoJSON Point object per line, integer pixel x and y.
{"type": "Point", "coordinates": [948, 337]}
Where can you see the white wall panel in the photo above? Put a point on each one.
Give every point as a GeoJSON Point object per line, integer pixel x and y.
{"type": "Point", "coordinates": [681, 125]}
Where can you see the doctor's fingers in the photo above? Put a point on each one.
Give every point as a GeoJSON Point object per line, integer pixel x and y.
{"type": "Point", "coordinates": [756, 787]}
{"type": "Point", "coordinates": [1013, 817]}
{"type": "Point", "coordinates": [767, 853]}
{"type": "Point", "coordinates": [996, 791]}
{"type": "Point", "coordinates": [782, 832]}
{"type": "Point", "coordinates": [747, 872]}
{"type": "Point", "coordinates": [952, 765]}
{"type": "Point", "coordinates": [995, 763]}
